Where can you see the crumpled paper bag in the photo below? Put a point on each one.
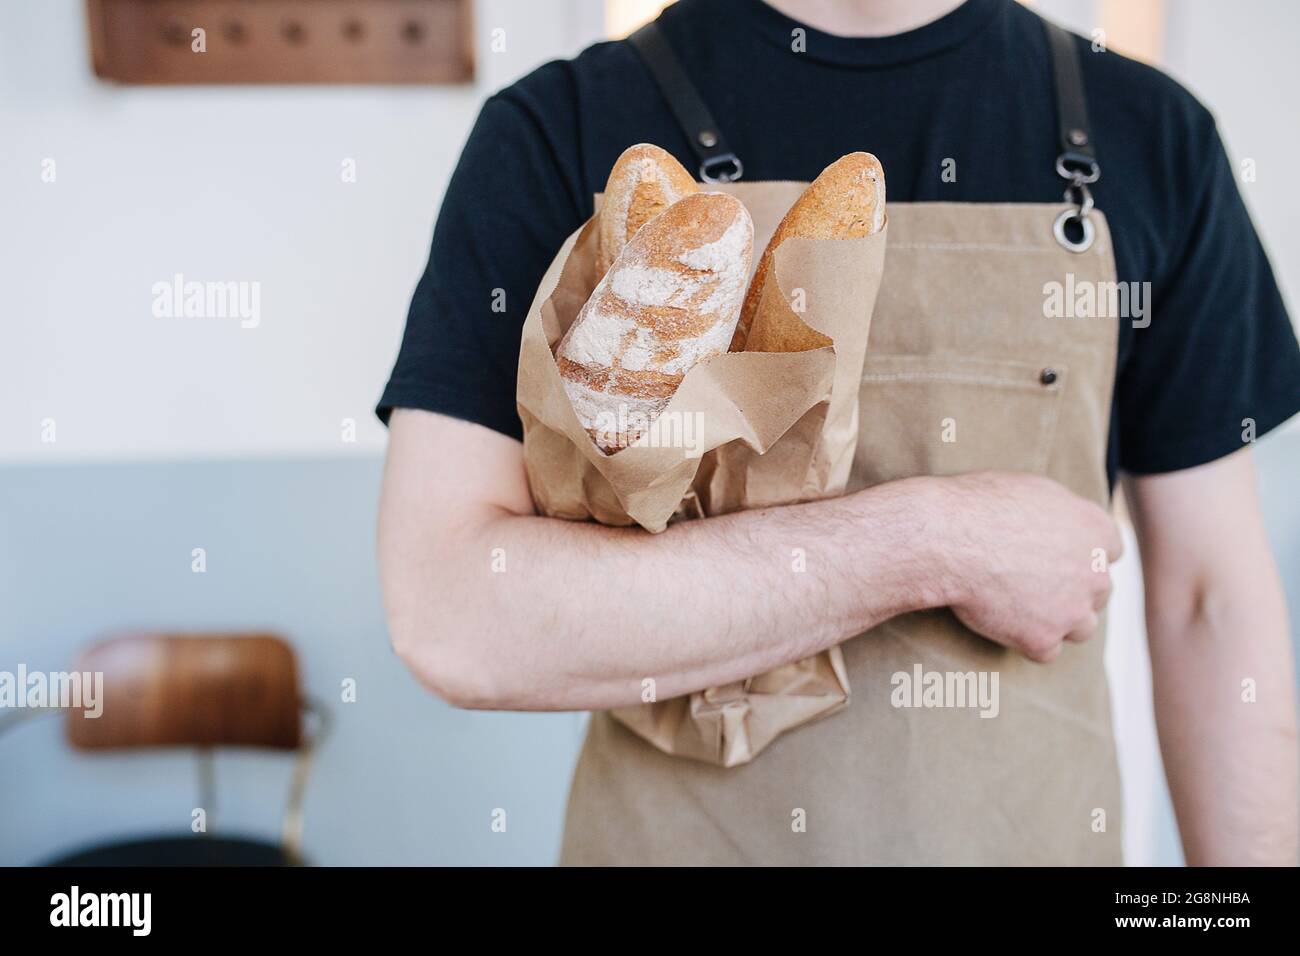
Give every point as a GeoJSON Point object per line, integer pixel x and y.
{"type": "Point", "coordinates": [744, 430]}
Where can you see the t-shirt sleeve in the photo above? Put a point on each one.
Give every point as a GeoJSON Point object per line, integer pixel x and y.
{"type": "Point", "coordinates": [1218, 362]}
{"type": "Point", "coordinates": [507, 210]}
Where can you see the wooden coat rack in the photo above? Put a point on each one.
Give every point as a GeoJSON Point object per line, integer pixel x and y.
{"type": "Point", "coordinates": [281, 41]}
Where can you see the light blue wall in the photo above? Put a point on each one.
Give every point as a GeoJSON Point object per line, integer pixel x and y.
{"type": "Point", "coordinates": [404, 779]}
{"type": "Point", "coordinates": [89, 549]}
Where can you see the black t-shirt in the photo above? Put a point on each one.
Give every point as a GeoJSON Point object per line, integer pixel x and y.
{"type": "Point", "coordinates": [974, 87]}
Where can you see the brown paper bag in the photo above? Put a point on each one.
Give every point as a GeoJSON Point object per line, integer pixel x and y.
{"type": "Point", "coordinates": [744, 430]}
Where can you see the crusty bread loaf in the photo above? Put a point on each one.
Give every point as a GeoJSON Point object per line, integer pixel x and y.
{"type": "Point", "coordinates": [644, 182]}
{"type": "Point", "coordinates": [845, 202]}
{"type": "Point", "coordinates": [670, 300]}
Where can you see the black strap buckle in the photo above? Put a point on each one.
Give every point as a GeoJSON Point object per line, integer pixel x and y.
{"type": "Point", "coordinates": [1077, 168]}
{"type": "Point", "coordinates": [726, 168]}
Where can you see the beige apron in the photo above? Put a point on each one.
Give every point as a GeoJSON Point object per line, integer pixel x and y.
{"type": "Point", "coordinates": [964, 372]}
{"type": "Point", "coordinates": [959, 348]}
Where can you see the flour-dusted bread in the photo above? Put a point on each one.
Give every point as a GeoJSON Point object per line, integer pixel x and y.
{"type": "Point", "coordinates": [846, 201]}
{"type": "Point", "coordinates": [670, 300]}
{"type": "Point", "coordinates": [644, 182]}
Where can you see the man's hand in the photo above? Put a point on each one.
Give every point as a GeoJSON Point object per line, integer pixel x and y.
{"type": "Point", "coordinates": [1030, 560]}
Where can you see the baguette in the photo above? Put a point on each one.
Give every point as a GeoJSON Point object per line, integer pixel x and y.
{"type": "Point", "coordinates": [670, 299]}
{"type": "Point", "coordinates": [644, 182]}
{"type": "Point", "coordinates": [846, 201]}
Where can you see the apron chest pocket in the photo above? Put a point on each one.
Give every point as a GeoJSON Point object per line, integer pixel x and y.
{"type": "Point", "coordinates": [949, 414]}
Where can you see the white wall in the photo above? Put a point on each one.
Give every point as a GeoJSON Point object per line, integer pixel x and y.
{"type": "Point", "coordinates": [244, 184]}
{"type": "Point", "coordinates": [219, 184]}
{"type": "Point", "coordinates": [1240, 59]}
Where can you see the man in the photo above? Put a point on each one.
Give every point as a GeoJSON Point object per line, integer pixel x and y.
{"type": "Point", "coordinates": [585, 612]}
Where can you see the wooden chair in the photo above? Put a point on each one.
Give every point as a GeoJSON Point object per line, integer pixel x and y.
{"type": "Point", "coordinates": [202, 691]}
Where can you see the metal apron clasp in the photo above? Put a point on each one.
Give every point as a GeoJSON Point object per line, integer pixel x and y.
{"type": "Point", "coordinates": [1079, 172]}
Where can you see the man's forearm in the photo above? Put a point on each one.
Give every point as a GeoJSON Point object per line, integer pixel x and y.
{"type": "Point", "coordinates": [1225, 709]}
{"type": "Point", "coordinates": [493, 607]}
{"type": "Point", "coordinates": [522, 612]}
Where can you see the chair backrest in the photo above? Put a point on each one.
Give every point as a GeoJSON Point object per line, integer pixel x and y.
{"type": "Point", "coordinates": [203, 690]}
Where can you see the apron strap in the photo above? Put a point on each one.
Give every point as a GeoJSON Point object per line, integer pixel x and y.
{"type": "Point", "coordinates": [718, 164]}
{"type": "Point", "coordinates": [1077, 162]}
{"type": "Point", "coordinates": [1071, 105]}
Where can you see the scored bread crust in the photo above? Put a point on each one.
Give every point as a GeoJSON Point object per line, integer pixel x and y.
{"type": "Point", "coordinates": [670, 300]}
{"type": "Point", "coordinates": [846, 201]}
{"type": "Point", "coordinates": [644, 182]}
